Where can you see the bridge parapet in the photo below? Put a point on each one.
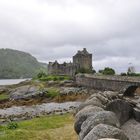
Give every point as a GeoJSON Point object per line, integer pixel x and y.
{"type": "Point", "coordinates": [113, 83]}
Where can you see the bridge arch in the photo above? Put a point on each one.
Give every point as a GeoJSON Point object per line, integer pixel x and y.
{"type": "Point", "coordinates": [130, 90]}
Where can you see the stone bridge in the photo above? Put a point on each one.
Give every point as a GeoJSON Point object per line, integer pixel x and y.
{"type": "Point", "coordinates": [123, 84]}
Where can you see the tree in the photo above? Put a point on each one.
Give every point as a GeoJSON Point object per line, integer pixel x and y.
{"type": "Point", "coordinates": [41, 74]}
{"type": "Point", "coordinates": [107, 71]}
{"type": "Point", "coordinates": [93, 71]}
{"type": "Point", "coordinates": [123, 74]}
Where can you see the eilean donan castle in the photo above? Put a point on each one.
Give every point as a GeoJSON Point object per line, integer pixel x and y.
{"type": "Point", "coordinates": [82, 61]}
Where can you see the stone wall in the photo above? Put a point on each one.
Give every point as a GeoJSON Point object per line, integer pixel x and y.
{"type": "Point", "coordinates": [61, 69]}
{"type": "Point", "coordinates": [114, 83]}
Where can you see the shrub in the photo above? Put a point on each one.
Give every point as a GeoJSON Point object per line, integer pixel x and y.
{"type": "Point", "coordinates": [41, 75]}
{"type": "Point", "coordinates": [12, 125]}
{"type": "Point", "coordinates": [107, 71]}
{"type": "Point", "coordinates": [123, 74]}
{"type": "Point", "coordinates": [52, 92]}
{"type": "Point", "coordinates": [61, 78]}
{"type": "Point", "coordinates": [133, 74]}
{"type": "Point", "coordinates": [44, 77]}
{"type": "Point", "coordinates": [55, 78]}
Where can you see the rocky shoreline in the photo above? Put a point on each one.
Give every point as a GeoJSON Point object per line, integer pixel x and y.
{"type": "Point", "coordinates": [98, 114]}
{"type": "Point", "coordinates": [31, 99]}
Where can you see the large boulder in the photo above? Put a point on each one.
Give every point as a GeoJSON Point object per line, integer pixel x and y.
{"type": "Point", "coordinates": [136, 112]}
{"type": "Point", "coordinates": [26, 92]}
{"type": "Point", "coordinates": [132, 129]}
{"type": "Point", "coordinates": [104, 100]}
{"type": "Point", "coordinates": [105, 131]}
{"type": "Point", "coordinates": [94, 102]}
{"type": "Point", "coordinates": [82, 115]}
{"type": "Point", "coordinates": [122, 109]}
{"type": "Point", "coordinates": [102, 117]}
{"type": "Point", "coordinates": [110, 94]}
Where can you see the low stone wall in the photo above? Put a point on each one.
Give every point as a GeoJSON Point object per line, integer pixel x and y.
{"type": "Point", "coordinates": [113, 83]}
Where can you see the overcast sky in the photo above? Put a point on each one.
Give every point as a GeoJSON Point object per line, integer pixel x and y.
{"type": "Point", "coordinates": [56, 29]}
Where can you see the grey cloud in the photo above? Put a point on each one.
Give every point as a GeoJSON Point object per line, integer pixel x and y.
{"type": "Point", "coordinates": [51, 30]}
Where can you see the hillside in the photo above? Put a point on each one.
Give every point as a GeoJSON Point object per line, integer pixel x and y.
{"type": "Point", "coordinates": [17, 64]}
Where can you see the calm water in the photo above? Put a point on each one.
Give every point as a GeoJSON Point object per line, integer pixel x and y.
{"type": "Point", "coordinates": [10, 81]}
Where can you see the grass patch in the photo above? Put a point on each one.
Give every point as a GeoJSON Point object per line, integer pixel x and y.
{"type": "Point", "coordinates": [4, 96]}
{"type": "Point", "coordinates": [44, 128]}
{"type": "Point", "coordinates": [44, 77]}
{"type": "Point", "coordinates": [52, 92]}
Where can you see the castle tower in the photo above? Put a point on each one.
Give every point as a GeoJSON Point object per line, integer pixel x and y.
{"type": "Point", "coordinates": [83, 59]}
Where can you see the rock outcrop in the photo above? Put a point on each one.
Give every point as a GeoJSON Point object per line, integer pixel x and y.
{"type": "Point", "coordinates": [26, 92]}
{"type": "Point", "coordinates": [17, 113]}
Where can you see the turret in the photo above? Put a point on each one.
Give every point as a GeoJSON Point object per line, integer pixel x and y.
{"type": "Point", "coordinates": [83, 60]}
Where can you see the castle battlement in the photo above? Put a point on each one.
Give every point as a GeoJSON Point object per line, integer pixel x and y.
{"type": "Point", "coordinates": [81, 60]}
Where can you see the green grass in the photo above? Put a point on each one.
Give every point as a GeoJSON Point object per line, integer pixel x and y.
{"type": "Point", "coordinates": [43, 128]}
{"type": "Point", "coordinates": [4, 96]}
{"type": "Point", "coordinates": [53, 78]}
{"type": "Point", "coordinates": [52, 92]}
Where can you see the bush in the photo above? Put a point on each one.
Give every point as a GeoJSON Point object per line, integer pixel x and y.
{"type": "Point", "coordinates": [55, 78]}
{"type": "Point", "coordinates": [93, 71]}
{"type": "Point", "coordinates": [52, 92]}
{"type": "Point", "coordinates": [123, 74]}
{"type": "Point", "coordinates": [41, 75]}
{"type": "Point", "coordinates": [61, 78]}
{"type": "Point", "coordinates": [133, 74]}
{"type": "Point", "coordinates": [44, 77]}
{"type": "Point", "coordinates": [12, 125]}
{"type": "Point", "coordinates": [107, 71]}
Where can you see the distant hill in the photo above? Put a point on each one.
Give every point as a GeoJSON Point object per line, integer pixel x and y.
{"type": "Point", "coordinates": [18, 64]}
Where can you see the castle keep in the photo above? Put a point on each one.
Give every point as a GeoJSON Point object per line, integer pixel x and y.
{"type": "Point", "coordinates": [82, 61]}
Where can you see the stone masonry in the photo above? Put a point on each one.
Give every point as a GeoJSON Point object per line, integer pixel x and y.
{"type": "Point", "coordinates": [81, 61]}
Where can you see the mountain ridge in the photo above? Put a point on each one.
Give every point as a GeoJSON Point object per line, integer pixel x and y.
{"type": "Point", "coordinates": [18, 64]}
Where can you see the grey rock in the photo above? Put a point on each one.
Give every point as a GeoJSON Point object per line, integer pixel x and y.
{"type": "Point", "coordinates": [72, 91]}
{"type": "Point", "coordinates": [102, 117]}
{"type": "Point", "coordinates": [83, 115]}
{"type": "Point", "coordinates": [122, 109]}
{"type": "Point", "coordinates": [25, 112]}
{"type": "Point", "coordinates": [132, 129]}
{"type": "Point", "coordinates": [94, 102]}
{"type": "Point", "coordinates": [88, 109]}
{"type": "Point", "coordinates": [104, 100]}
{"type": "Point", "coordinates": [25, 92]}
{"type": "Point", "coordinates": [105, 131]}
{"type": "Point", "coordinates": [136, 112]}
{"type": "Point", "coordinates": [110, 94]}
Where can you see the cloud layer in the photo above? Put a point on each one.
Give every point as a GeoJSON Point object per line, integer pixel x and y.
{"type": "Point", "coordinates": [52, 29]}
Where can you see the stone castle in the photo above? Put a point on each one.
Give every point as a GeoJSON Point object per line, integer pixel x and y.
{"type": "Point", "coordinates": [82, 61]}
